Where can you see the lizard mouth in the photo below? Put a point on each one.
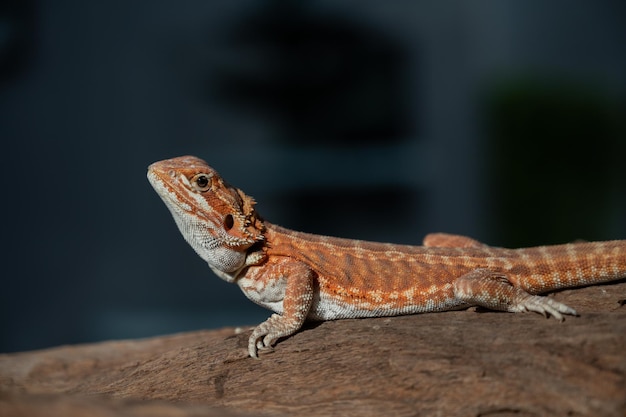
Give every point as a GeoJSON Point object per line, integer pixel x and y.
{"type": "Point", "coordinates": [159, 185]}
{"type": "Point", "coordinates": [166, 190]}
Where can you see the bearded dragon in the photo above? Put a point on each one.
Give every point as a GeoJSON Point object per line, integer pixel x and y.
{"type": "Point", "coordinates": [302, 276]}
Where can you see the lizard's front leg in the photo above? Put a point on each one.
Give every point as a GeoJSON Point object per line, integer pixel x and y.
{"type": "Point", "coordinates": [296, 303]}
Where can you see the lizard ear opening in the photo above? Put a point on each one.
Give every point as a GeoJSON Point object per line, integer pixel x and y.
{"type": "Point", "coordinates": [229, 222]}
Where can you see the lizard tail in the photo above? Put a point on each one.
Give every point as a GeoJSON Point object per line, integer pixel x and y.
{"type": "Point", "coordinates": [547, 268]}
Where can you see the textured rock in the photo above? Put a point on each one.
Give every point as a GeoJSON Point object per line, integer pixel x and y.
{"type": "Point", "coordinates": [455, 363]}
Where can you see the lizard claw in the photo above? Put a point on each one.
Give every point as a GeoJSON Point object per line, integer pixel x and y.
{"type": "Point", "coordinates": [261, 346]}
{"type": "Point", "coordinates": [545, 306]}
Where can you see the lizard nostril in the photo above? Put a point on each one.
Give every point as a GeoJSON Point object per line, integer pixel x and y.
{"type": "Point", "coordinates": [229, 222]}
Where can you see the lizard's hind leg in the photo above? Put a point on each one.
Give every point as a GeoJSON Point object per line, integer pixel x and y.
{"type": "Point", "coordinates": [493, 290]}
{"type": "Point", "coordinates": [446, 240]}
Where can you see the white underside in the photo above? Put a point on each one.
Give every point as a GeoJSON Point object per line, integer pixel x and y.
{"type": "Point", "coordinates": [327, 308]}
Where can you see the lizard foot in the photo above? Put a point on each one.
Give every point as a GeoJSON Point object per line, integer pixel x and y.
{"type": "Point", "coordinates": [543, 305]}
{"type": "Point", "coordinates": [267, 333]}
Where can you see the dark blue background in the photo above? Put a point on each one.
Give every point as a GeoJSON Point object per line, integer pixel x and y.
{"type": "Point", "coordinates": [498, 119]}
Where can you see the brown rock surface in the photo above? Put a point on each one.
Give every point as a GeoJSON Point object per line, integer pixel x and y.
{"type": "Point", "coordinates": [447, 364]}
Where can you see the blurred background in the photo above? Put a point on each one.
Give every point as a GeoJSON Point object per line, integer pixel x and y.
{"type": "Point", "coordinates": [504, 120]}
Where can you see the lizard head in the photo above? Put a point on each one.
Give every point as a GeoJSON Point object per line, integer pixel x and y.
{"type": "Point", "coordinates": [217, 220]}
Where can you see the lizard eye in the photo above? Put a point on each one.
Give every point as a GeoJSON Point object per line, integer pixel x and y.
{"type": "Point", "coordinates": [201, 182]}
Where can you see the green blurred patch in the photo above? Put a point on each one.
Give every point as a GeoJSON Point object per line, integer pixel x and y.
{"type": "Point", "coordinates": [558, 159]}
